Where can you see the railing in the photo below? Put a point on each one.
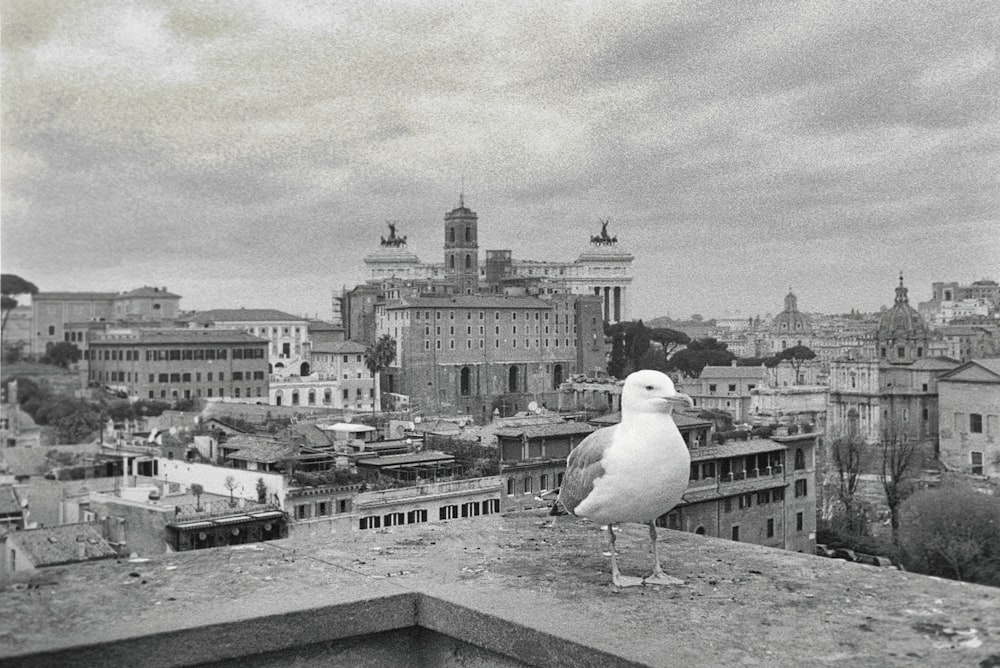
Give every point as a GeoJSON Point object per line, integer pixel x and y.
{"type": "Point", "coordinates": [190, 512]}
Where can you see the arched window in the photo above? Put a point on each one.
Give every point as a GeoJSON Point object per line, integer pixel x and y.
{"type": "Point", "coordinates": [512, 379]}
{"type": "Point", "coordinates": [465, 383]}
{"type": "Point", "coordinates": [468, 262]}
{"type": "Point", "coordinates": [295, 397]}
{"type": "Point", "coordinates": [468, 233]}
{"type": "Point", "coordinates": [304, 369]}
{"type": "Point", "coordinates": [451, 234]}
{"type": "Point", "coordinates": [451, 262]}
{"type": "Point", "coordinates": [327, 395]}
{"type": "Point", "coordinates": [557, 376]}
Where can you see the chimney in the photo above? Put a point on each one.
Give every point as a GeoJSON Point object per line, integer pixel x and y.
{"type": "Point", "coordinates": [81, 547]}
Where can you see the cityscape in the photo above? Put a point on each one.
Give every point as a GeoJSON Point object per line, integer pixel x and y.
{"type": "Point", "coordinates": [366, 412]}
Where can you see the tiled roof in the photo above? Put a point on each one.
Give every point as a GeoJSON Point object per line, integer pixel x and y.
{"type": "Point", "coordinates": [185, 336]}
{"type": "Point", "coordinates": [244, 315]}
{"type": "Point", "coordinates": [58, 545]}
{"type": "Point", "coordinates": [542, 430]}
{"type": "Point", "coordinates": [258, 449]}
{"type": "Point", "coordinates": [991, 363]}
{"type": "Point", "coordinates": [340, 347]}
{"type": "Point", "coordinates": [469, 301]}
{"type": "Point", "coordinates": [10, 504]}
{"type": "Point", "coordinates": [935, 363]}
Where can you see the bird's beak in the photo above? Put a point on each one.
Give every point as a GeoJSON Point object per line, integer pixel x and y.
{"type": "Point", "coordinates": [681, 400]}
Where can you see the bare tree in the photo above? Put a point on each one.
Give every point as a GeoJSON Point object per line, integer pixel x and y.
{"type": "Point", "coordinates": [848, 455]}
{"type": "Point", "coordinates": [899, 458]}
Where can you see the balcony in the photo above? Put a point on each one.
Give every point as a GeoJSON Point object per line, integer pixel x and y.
{"type": "Point", "coordinates": [494, 590]}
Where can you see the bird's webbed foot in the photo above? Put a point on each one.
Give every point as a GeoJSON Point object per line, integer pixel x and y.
{"type": "Point", "coordinates": [660, 578]}
{"type": "Point", "coordinates": [626, 580]}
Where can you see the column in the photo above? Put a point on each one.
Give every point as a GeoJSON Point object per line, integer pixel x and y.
{"type": "Point", "coordinates": [618, 304]}
{"type": "Point", "coordinates": [607, 303]}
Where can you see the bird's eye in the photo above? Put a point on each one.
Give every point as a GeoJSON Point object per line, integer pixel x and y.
{"type": "Point", "coordinates": [649, 387]}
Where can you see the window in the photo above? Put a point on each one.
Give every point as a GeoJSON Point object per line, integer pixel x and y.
{"type": "Point", "coordinates": [800, 459]}
{"type": "Point", "coordinates": [470, 509]}
{"type": "Point", "coordinates": [510, 487]}
{"type": "Point", "coordinates": [778, 494]}
{"type": "Point", "coordinates": [322, 508]}
{"type": "Point", "coordinates": [977, 462]}
{"type": "Point", "coordinates": [370, 522]}
{"type": "Point", "coordinates": [711, 387]}
{"type": "Point", "coordinates": [975, 423]}
{"type": "Point", "coordinates": [301, 512]}
{"type": "Point", "coordinates": [770, 528]}
{"type": "Point", "coordinates": [746, 500]}
{"type": "Point", "coordinates": [527, 485]}
{"type": "Point", "coordinates": [448, 512]}
{"type": "Point", "coordinates": [394, 519]}
{"type": "Point", "coordinates": [801, 488]}
{"type": "Point", "coordinates": [736, 532]}
{"type": "Point", "coordinates": [732, 388]}
{"type": "Point", "coordinates": [763, 497]}
{"type": "Point", "coordinates": [415, 516]}
{"type": "Point", "coordinates": [799, 521]}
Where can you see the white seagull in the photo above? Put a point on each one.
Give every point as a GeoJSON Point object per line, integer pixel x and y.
{"type": "Point", "coordinates": [634, 471]}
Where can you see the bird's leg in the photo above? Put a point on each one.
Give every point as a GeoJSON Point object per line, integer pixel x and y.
{"type": "Point", "coordinates": [617, 578]}
{"type": "Point", "coordinates": [658, 576]}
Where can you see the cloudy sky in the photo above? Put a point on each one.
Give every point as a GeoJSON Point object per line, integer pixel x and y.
{"type": "Point", "coordinates": [249, 153]}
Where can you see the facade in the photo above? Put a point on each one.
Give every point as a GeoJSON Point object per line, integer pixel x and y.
{"type": "Point", "coordinates": [337, 378]}
{"type": "Point", "coordinates": [966, 342]}
{"type": "Point", "coordinates": [533, 460]}
{"type": "Point", "coordinates": [65, 316]}
{"type": "Point", "coordinates": [463, 353]}
{"type": "Point", "coordinates": [177, 364]}
{"type": "Point", "coordinates": [433, 502]}
{"type": "Point", "coordinates": [727, 388]}
{"type": "Point", "coordinates": [952, 300]}
{"type": "Point", "coordinates": [969, 405]}
{"type": "Point", "coordinates": [760, 491]}
{"type": "Point", "coordinates": [287, 335]}
{"type": "Point", "coordinates": [893, 393]}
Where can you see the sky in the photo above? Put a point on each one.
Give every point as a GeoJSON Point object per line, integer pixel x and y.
{"type": "Point", "coordinates": [250, 153]}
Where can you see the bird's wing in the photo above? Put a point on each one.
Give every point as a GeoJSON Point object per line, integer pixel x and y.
{"type": "Point", "coordinates": [583, 467]}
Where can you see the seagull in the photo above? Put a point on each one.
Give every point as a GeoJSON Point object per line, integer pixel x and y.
{"type": "Point", "coordinates": [634, 471]}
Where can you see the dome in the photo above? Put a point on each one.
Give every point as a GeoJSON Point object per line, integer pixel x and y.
{"type": "Point", "coordinates": [902, 321]}
{"type": "Point", "coordinates": [791, 320]}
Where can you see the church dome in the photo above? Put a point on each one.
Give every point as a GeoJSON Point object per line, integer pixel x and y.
{"type": "Point", "coordinates": [902, 321]}
{"type": "Point", "coordinates": [791, 320]}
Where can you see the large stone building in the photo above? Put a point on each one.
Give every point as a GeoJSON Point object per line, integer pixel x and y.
{"type": "Point", "coordinates": [969, 404]}
{"type": "Point", "coordinates": [459, 354]}
{"type": "Point", "coordinates": [894, 393]}
{"type": "Point", "coordinates": [287, 335]}
{"type": "Point", "coordinates": [174, 364]}
{"type": "Point", "coordinates": [69, 316]}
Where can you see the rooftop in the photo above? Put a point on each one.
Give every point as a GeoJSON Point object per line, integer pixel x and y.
{"type": "Point", "coordinates": [56, 545]}
{"type": "Point", "coordinates": [542, 430]}
{"type": "Point", "coordinates": [469, 301]}
{"type": "Point", "coordinates": [186, 336]}
{"type": "Point", "coordinates": [339, 347]}
{"type": "Point", "coordinates": [244, 315]}
{"type": "Point", "coordinates": [518, 586]}
{"type": "Point", "coordinates": [258, 449]}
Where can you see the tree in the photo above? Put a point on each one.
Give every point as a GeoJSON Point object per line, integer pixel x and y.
{"type": "Point", "coordinates": [848, 457]}
{"type": "Point", "coordinates": [899, 455]}
{"type": "Point", "coordinates": [379, 356]}
{"type": "Point", "coordinates": [63, 354]}
{"type": "Point", "coordinates": [670, 339]}
{"type": "Point", "coordinates": [12, 285]}
{"type": "Point", "coordinates": [197, 490]}
{"type": "Point", "coordinates": [701, 353]}
{"type": "Point", "coordinates": [797, 356]}
{"type": "Point", "coordinates": [953, 532]}
{"type": "Point", "coordinates": [231, 484]}
{"type": "Point", "coordinates": [78, 426]}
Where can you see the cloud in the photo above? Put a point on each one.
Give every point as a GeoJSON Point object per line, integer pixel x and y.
{"type": "Point", "coordinates": [246, 149]}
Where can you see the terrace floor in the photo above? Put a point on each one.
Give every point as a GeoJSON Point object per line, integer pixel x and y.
{"type": "Point", "coordinates": [498, 591]}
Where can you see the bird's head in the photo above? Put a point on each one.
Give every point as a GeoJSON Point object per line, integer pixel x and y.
{"type": "Point", "coordinates": [650, 391]}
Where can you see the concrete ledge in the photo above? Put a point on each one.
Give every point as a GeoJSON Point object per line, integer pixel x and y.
{"type": "Point", "coordinates": [503, 591]}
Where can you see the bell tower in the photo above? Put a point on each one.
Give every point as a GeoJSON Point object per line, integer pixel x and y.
{"type": "Point", "coordinates": [461, 248]}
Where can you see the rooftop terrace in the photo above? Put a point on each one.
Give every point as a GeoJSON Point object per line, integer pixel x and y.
{"type": "Point", "coordinates": [499, 591]}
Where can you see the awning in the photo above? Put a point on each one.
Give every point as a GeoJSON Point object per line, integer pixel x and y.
{"type": "Point", "coordinates": [267, 515]}
{"type": "Point", "coordinates": [192, 525]}
{"type": "Point", "coordinates": [235, 519]}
